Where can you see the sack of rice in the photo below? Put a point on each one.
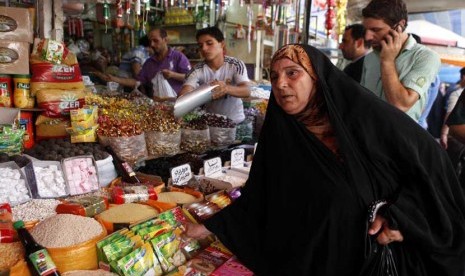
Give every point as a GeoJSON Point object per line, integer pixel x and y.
{"type": "Point", "coordinates": [70, 240]}
{"type": "Point", "coordinates": [123, 215]}
{"type": "Point", "coordinates": [11, 254]}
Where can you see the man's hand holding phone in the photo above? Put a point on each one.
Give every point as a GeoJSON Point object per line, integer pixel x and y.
{"type": "Point", "coordinates": [392, 43]}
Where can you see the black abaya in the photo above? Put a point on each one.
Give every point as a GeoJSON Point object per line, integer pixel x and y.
{"type": "Point", "coordinates": [303, 211]}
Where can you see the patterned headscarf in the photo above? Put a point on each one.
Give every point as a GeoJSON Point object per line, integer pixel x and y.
{"type": "Point", "coordinates": [315, 115]}
{"type": "Point", "coordinates": [298, 55]}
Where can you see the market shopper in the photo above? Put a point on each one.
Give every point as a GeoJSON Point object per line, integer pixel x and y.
{"type": "Point", "coordinates": [354, 47]}
{"type": "Point", "coordinates": [320, 162]}
{"type": "Point", "coordinates": [173, 64]}
{"type": "Point", "coordinates": [229, 73]}
{"type": "Point", "coordinates": [132, 61]}
{"type": "Point", "coordinates": [450, 104]}
{"type": "Point", "coordinates": [398, 70]}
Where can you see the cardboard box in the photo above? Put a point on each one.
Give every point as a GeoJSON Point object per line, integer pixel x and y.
{"type": "Point", "coordinates": [16, 24]}
{"type": "Point", "coordinates": [9, 116]}
{"type": "Point", "coordinates": [14, 57]}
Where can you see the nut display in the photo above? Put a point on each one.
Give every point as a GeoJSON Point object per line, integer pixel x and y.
{"type": "Point", "coordinates": [57, 149]}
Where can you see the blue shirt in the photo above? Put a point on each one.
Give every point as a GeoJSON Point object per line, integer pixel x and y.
{"type": "Point", "coordinates": [432, 94]}
{"type": "Point", "coordinates": [138, 54]}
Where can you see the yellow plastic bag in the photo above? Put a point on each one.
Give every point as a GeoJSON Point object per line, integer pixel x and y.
{"type": "Point", "coordinates": [79, 257]}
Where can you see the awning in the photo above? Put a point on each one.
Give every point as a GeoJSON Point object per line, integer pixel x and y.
{"type": "Point", "coordinates": [435, 35]}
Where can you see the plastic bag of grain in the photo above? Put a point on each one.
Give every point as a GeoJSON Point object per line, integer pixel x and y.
{"type": "Point", "coordinates": [70, 240]}
{"type": "Point", "coordinates": [130, 149]}
{"type": "Point", "coordinates": [161, 143]}
{"type": "Point", "coordinates": [120, 216]}
{"type": "Point", "coordinates": [106, 171]}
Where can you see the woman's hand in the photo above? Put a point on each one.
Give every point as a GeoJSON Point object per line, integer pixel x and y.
{"type": "Point", "coordinates": [196, 231]}
{"type": "Point", "coordinates": [386, 235]}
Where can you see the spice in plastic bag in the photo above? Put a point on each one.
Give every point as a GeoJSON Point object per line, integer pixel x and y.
{"type": "Point", "coordinates": [88, 206]}
{"type": "Point", "coordinates": [136, 193]}
{"type": "Point", "coordinates": [7, 232]}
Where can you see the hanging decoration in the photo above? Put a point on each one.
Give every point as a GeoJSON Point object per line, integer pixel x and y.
{"type": "Point", "coordinates": [76, 27]}
{"type": "Point", "coordinates": [106, 14]}
{"type": "Point", "coordinates": [330, 18]}
{"type": "Point", "coordinates": [249, 31]}
{"type": "Point", "coordinates": [341, 14]}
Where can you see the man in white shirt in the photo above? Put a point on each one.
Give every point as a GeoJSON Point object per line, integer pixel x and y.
{"type": "Point", "coordinates": [229, 73]}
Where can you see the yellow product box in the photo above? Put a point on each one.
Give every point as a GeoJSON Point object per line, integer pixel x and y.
{"type": "Point", "coordinates": [84, 113]}
{"type": "Point", "coordinates": [86, 136]}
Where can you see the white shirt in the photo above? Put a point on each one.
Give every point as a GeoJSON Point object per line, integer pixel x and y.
{"type": "Point", "coordinates": [233, 72]}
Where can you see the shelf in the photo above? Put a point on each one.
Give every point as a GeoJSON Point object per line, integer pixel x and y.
{"type": "Point", "coordinates": [179, 25]}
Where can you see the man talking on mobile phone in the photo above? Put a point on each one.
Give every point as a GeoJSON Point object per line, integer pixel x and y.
{"type": "Point", "coordinates": [398, 70]}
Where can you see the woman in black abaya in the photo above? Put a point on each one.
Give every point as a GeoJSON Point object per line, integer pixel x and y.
{"type": "Point", "coordinates": [328, 149]}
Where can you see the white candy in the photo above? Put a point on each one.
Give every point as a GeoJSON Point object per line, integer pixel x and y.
{"type": "Point", "coordinates": [50, 182]}
{"type": "Point", "coordinates": [12, 188]}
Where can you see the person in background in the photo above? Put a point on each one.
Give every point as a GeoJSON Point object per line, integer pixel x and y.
{"type": "Point", "coordinates": [354, 47]}
{"type": "Point", "coordinates": [321, 163]}
{"type": "Point", "coordinates": [451, 102]}
{"type": "Point", "coordinates": [132, 61]}
{"type": "Point", "coordinates": [398, 70]}
{"type": "Point", "coordinates": [229, 73]}
{"type": "Point", "coordinates": [173, 64]}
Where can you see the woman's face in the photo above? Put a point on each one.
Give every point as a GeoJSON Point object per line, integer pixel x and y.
{"type": "Point", "coordinates": [291, 84]}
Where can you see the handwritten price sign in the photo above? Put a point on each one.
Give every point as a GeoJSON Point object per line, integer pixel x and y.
{"type": "Point", "coordinates": [237, 158]}
{"type": "Point", "coordinates": [180, 175]}
{"type": "Point", "coordinates": [212, 166]}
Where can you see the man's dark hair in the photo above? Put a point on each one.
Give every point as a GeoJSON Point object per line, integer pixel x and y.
{"type": "Point", "coordinates": [144, 41]}
{"type": "Point", "coordinates": [390, 11]}
{"type": "Point", "coordinates": [212, 31]}
{"type": "Point", "coordinates": [358, 31]}
{"type": "Point", "coordinates": [162, 31]}
{"type": "Point", "coordinates": [462, 72]}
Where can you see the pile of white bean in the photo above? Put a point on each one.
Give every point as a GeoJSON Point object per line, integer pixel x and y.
{"type": "Point", "coordinates": [13, 188]}
{"type": "Point", "coordinates": [50, 181]}
{"type": "Point", "coordinates": [36, 209]}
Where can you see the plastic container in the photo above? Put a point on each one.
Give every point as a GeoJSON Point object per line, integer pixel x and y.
{"type": "Point", "coordinates": [81, 174]}
{"type": "Point", "coordinates": [6, 93]}
{"type": "Point", "coordinates": [22, 93]}
{"type": "Point", "coordinates": [88, 206]}
{"type": "Point", "coordinates": [33, 178]}
{"type": "Point", "coordinates": [134, 193]}
{"type": "Point", "coordinates": [26, 122]}
{"type": "Point", "coordinates": [7, 232]}
{"type": "Point", "coordinates": [24, 193]}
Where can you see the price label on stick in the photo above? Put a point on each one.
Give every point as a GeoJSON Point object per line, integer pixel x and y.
{"type": "Point", "coordinates": [180, 175]}
{"type": "Point", "coordinates": [212, 166]}
{"type": "Point", "coordinates": [237, 158]}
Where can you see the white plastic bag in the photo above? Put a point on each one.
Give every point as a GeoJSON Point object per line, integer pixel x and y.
{"type": "Point", "coordinates": [162, 90]}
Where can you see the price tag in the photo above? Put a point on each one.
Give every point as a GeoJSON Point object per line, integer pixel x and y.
{"type": "Point", "coordinates": [180, 175]}
{"type": "Point", "coordinates": [237, 158]}
{"type": "Point", "coordinates": [212, 166]}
